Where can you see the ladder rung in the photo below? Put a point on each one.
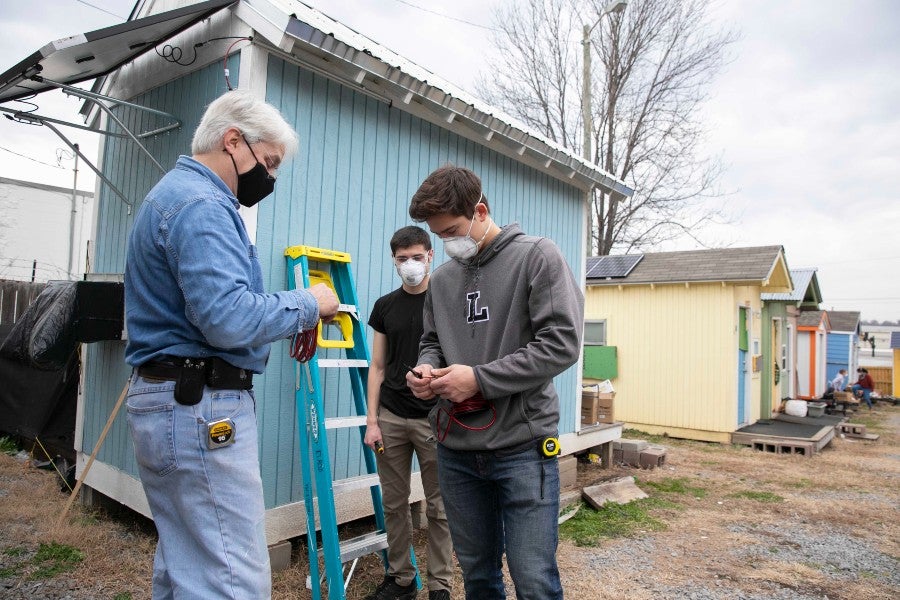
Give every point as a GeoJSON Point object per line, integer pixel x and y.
{"type": "Point", "coordinates": [363, 545]}
{"type": "Point", "coordinates": [342, 362]}
{"type": "Point", "coordinates": [342, 486]}
{"type": "Point", "coordinates": [342, 422]}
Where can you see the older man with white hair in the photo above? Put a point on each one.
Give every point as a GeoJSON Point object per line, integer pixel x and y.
{"type": "Point", "coordinates": [199, 326]}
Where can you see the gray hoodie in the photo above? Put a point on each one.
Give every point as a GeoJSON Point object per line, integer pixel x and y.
{"type": "Point", "coordinates": [515, 314]}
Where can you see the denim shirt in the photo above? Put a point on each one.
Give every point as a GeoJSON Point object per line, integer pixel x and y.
{"type": "Point", "coordinates": [193, 282]}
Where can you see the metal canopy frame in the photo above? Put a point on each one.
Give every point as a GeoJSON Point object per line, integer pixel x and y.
{"type": "Point", "coordinates": [82, 57]}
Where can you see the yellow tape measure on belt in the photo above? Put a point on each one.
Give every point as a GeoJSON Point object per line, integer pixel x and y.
{"type": "Point", "coordinates": [550, 447]}
{"type": "Point", "coordinates": [219, 433]}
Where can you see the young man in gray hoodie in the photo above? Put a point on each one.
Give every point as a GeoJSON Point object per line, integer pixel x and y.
{"type": "Point", "coordinates": [501, 320]}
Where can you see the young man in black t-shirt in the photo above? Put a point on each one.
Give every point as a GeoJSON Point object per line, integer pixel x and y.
{"type": "Point", "coordinates": [397, 422]}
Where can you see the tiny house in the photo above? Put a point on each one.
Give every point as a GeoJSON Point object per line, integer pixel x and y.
{"type": "Point", "coordinates": [779, 337]}
{"type": "Point", "coordinates": [843, 343]}
{"type": "Point", "coordinates": [686, 329]}
{"type": "Point", "coordinates": [372, 126]}
{"type": "Point", "coordinates": [812, 349]}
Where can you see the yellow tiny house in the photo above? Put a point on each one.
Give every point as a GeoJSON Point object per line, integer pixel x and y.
{"type": "Point", "coordinates": [687, 328]}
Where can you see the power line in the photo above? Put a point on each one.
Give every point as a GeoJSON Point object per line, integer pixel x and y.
{"type": "Point", "coordinates": [101, 9]}
{"type": "Point", "coordinates": [32, 159]}
{"type": "Point", "coordinates": [856, 260]}
{"type": "Point", "coordinates": [867, 299]}
{"type": "Point", "coordinates": [442, 15]}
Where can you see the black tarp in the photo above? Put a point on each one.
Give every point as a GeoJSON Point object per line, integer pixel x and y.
{"type": "Point", "coordinates": [39, 362]}
{"type": "Point", "coordinates": [39, 404]}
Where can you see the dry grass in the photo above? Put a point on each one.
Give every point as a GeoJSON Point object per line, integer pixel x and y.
{"type": "Point", "coordinates": [117, 549]}
{"type": "Point", "coordinates": [733, 536]}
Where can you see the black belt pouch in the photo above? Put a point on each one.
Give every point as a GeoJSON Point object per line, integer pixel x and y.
{"type": "Point", "coordinates": [189, 385]}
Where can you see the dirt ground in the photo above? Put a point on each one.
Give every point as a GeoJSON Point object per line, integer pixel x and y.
{"type": "Point", "coordinates": [731, 523]}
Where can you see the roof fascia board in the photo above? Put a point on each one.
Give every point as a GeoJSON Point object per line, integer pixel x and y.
{"type": "Point", "coordinates": [814, 288]}
{"type": "Point", "coordinates": [780, 264]}
{"type": "Point", "coordinates": [267, 20]}
{"type": "Point", "coordinates": [681, 282]}
{"type": "Point", "coordinates": [45, 187]}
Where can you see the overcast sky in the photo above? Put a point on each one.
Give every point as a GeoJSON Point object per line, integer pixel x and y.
{"type": "Point", "coordinates": [806, 116]}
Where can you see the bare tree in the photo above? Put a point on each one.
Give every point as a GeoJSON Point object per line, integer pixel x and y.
{"type": "Point", "coordinates": [657, 59]}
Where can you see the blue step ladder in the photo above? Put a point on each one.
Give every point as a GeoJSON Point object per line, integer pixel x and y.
{"type": "Point", "coordinates": [307, 266]}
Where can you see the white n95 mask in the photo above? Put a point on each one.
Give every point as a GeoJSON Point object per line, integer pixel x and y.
{"type": "Point", "coordinates": [412, 272]}
{"type": "Point", "coordinates": [464, 247]}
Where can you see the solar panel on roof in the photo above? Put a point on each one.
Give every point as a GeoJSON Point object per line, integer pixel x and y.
{"type": "Point", "coordinates": [613, 266]}
{"type": "Point", "coordinates": [90, 55]}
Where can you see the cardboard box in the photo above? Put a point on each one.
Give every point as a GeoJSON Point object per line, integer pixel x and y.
{"type": "Point", "coordinates": [605, 414]}
{"type": "Point", "coordinates": [844, 397]}
{"type": "Point", "coordinates": [596, 407]}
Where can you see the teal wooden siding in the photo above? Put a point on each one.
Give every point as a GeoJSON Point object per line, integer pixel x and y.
{"type": "Point", "coordinates": [348, 189]}
{"type": "Point", "coordinates": [360, 162]}
{"type": "Point", "coordinates": [133, 173]}
{"type": "Point", "coordinates": [838, 352]}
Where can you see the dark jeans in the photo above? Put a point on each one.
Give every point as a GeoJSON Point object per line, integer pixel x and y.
{"type": "Point", "coordinates": [866, 393]}
{"type": "Point", "coordinates": [503, 502]}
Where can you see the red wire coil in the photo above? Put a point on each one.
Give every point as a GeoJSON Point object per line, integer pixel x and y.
{"type": "Point", "coordinates": [303, 345]}
{"type": "Point", "coordinates": [476, 403]}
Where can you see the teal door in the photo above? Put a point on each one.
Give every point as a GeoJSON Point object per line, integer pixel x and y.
{"type": "Point", "coordinates": [743, 350]}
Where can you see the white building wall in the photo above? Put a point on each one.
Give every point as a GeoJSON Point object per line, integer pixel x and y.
{"type": "Point", "coordinates": [44, 232]}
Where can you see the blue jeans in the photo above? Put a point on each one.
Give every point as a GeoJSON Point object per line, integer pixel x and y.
{"type": "Point", "coordinates": [496, 502]}
{"type": "Point", "coordinates": [866, 394]}
{"type": "Point", "coordinates": [207, 504]}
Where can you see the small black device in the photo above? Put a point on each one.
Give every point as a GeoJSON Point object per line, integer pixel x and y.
{"type": "Point", "coordinates": [413, 371]}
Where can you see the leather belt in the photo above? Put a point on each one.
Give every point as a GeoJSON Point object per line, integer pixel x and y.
{"type": "Point", "coordinates": [218, 373]}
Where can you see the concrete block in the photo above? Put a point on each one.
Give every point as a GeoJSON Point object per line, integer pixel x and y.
{"type": "Point", "coordinates": [280, 556]}
{"type": "Point", "coordinates": [631, 457]}
{"type": "Point", "coordinates": [851, 428]}
{"type": "Point", "coordinates": [785, 447]}
{"type": "Point", "coordinates": [652, 458]}
{"type": "Point", "coordinates": [617, 455]}
{"type": "Point", "coordinates": [634, 445]}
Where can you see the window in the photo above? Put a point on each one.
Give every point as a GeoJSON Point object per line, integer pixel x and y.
{"type": "Point", "coordinates": [595, 333]}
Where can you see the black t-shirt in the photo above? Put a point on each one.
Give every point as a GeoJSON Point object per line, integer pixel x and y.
{"type": "Point", "coordinates": [398, 316]}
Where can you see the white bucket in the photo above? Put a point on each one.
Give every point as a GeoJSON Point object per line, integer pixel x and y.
{"type": "Point", "coordinates": [796, 408]}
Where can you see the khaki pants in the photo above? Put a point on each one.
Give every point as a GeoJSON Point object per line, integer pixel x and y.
{"type": "Point", "coordinates": [401, 437]}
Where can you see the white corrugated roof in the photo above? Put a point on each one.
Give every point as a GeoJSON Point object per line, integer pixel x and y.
{"type": "Point", "coordinates": [407, 84]}
{"type": "Point", "coordinates": [801, 279]}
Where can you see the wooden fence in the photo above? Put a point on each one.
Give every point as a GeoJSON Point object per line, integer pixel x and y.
{"type": "Point", "coordinates": [15, 298]}
{"type": "Point", "coordinates": [882, 377]}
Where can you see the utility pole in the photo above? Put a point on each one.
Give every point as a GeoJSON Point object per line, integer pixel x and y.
{"type": "Point", "coordinates": [615, 6]}
{"type": "Point", "coordinates": [72, 218]}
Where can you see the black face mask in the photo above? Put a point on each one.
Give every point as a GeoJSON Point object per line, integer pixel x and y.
{"type": "Point", "coordinates": [255, 184]}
